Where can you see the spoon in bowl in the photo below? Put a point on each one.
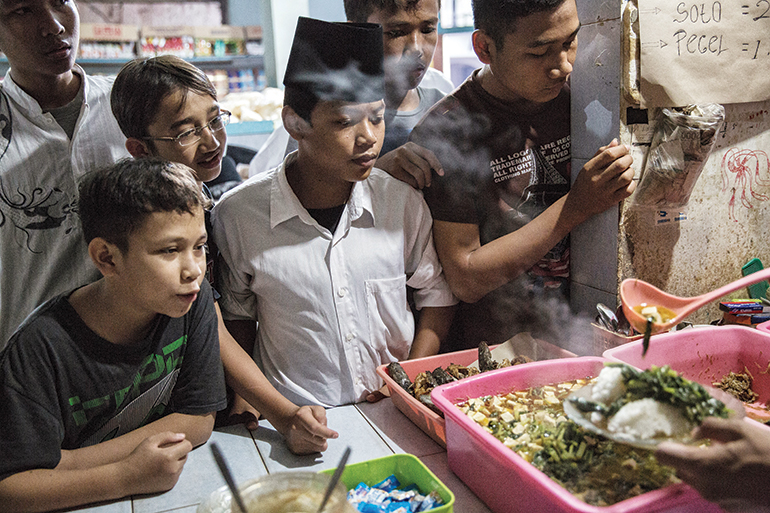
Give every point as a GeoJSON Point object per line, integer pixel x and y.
{"type": "Point", "coordinates": [635, 293]}
{"type": "Point", "coordinates": [335, 478]}
{"type": "Point", "coordinates": [219, 458]}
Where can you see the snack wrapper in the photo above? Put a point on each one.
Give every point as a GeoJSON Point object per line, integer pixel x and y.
{"type": "Point", "coordinates": [682, 143]}
{"type": "Point", "coordinates": [387, 497]}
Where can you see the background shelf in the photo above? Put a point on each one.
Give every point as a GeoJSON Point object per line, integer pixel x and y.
{"type": "Point", "coordinates": [112, 66]}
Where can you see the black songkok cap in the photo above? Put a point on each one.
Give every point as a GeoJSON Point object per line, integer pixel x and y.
{"type": "Point", "coordinates": [337, 61]}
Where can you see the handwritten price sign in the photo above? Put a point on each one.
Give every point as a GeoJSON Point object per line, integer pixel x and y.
{"type": "Point", "coordinates": [702, 52]}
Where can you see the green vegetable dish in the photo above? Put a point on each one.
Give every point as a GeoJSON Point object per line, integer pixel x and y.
{"type": "Point", "coordinates": [598, 471]}
{"type": "Point", "coordinates": [664, 385]}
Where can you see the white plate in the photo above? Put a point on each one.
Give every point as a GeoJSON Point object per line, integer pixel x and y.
{"type": "Point", "coordinates": [583, 419]}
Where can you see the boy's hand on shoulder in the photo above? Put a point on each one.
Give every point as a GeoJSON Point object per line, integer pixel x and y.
{"type": "Point", "coordinates": [155, 464]}
{"type": "Point", "coordinates": [412, 164]}
{"type": "Point", "coordinates": [605, 180]}
{"type": "Point", "coordinates": [306, 431]}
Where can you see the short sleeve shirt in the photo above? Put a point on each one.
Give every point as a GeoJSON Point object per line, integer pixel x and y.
{"type": "Point", "coordinates": [64, 387]}
{"type": "Point", "coordinates": [331, 306]}
{"type": "Point", "coordinates": [503, 167]}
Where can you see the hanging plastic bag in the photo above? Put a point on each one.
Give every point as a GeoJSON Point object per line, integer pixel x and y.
{"type": "Point", "coordinates": [681, 145]}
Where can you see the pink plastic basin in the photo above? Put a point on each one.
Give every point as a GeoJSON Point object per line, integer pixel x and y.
{"type": "Point", "coordinates": [508, 483]}
{"type": "Point", "coordinates": [706, 355]}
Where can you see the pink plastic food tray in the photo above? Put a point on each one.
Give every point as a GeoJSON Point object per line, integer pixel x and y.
{"type": "Point", "coordinates": [425, 418]}
{"type": "Point", "coordinates": [706, 355]}
{"type": "Point", "coordinates": [505, 481]}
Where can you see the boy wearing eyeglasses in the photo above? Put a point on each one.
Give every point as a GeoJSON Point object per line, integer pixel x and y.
{"type": "Point", "coordinates": [168, 108]}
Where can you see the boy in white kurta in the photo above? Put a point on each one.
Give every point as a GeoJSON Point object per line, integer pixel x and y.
{"type": "Point", "coordinates": [320, 250]}
{"type": "Point", "coordinates": [55, 126]}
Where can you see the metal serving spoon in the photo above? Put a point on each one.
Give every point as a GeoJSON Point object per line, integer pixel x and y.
{"type": "Point", "coordinates": [635, 292]}
{"type": "Point", "coordinates": [225, 470]}
{"type": "Point", "coordinates": [335, 478]}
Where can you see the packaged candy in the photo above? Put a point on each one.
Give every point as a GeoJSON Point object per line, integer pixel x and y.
{"type": "Point", "coordinates": [388, 484]}
{"type": "Point", "coordinates": [387, 497]}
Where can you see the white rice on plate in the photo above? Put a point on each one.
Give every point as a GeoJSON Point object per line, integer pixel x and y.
{"type": "Point", "coordinates": [647, 419]}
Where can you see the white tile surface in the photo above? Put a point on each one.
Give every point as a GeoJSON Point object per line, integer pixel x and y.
{"type": "Point", "coordinates": [584, 298]}
{"type": "Point", "coordinates": [598, 11]}
{"type": "Point", "coordinates": [594, 252]}
{"type": "Point", "coordinates": [123, 506]}
{"type": "Point", "coordinates": [595, 86]}
{"type": "Point", "coordinates": [371, 430]}
{"type": "Point", "coordinates": [392, 425]}
{"type": "Point", "coordinates": [354, 431]}
{"type": "Point", "coordinates": [201, 476]}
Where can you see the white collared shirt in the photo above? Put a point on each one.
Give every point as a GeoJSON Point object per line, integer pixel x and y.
{"type": "Point", "coordinates": [330, 307]}
{"type": "Point", "coordinates": [42, 251]}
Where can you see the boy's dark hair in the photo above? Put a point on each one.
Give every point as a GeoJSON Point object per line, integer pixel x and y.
{"type": "Point", "coordinates": [116, 200]}
{"type": "Point", "coordinates": [498, 17]}
{"type": "Point", "coordinates": [143, 83]}
{"type": "Point", "coordinates": [300, 100]}
{"type": "Point", "coordinates": [358, 11]}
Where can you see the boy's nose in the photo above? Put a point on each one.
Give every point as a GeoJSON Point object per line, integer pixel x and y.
{"type": "Point", "coordinates": [209, 138]}
{"type": "Point", "coordinates": [563, 66]}
{"type": "Point", "coordinates": [413, 44]}
{"type": "Point", "coordinates": [367, 135]}
{"type": "Point", "coordinates": [192, 268]}
{"type": "Point", "coordinates": [50, 24]}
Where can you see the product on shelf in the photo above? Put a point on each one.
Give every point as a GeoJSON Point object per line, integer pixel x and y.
{"type": "Point", "coordinates": [255, 105]}
{"type": "Point", "coordinates": [179, 41]}
{"type": "Point", "coordinates": [253, 40]}
{"type": "Point", "coordinates": [241, 80]}
{"type": "Point", "coordinates": [107, 41]}
{"type": "Point", "coordinates": [219, 41]}
{"type": "Point", "coordinates": [220, 80]}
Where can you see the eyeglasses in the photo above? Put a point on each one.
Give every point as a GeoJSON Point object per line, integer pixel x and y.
{"type": "Point", "coordinates": [193, 135]}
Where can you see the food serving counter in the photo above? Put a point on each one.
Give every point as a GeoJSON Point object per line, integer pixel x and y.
{"type": "Point", "coordinates": [404, 425]}
{"type": "Point", "coordinates": [371, 430]}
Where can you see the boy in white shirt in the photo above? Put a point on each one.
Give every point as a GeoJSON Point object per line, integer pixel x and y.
{"type": "Point", "coordinates": [55, 125]}
{"type": "Point", "coordinates": [168, 108]}
{"type": "Point", "coordinates": [320, 250]}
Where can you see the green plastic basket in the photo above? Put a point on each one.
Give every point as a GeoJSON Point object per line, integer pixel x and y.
{"type": "Point", "coordinates": [407, 469]}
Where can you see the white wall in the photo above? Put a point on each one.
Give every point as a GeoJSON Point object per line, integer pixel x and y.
{"type": "Point", "coordinates": [279, 22]}
{"type": "Point", "coordinates": [327, 10]}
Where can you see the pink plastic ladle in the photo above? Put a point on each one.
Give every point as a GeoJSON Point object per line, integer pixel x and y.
{"type": "Point", "coordinates": [635, 292]}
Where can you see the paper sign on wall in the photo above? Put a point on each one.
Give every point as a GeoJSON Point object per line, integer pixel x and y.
{"type": "Point", "coordinates": [699, 51]}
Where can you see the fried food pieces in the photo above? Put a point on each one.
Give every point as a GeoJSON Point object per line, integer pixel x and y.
{"type": "Point", "coordinates": [426, 381]}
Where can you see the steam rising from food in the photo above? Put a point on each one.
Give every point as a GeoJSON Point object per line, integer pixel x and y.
{"type": "Point", "coordinates": [349, 83]}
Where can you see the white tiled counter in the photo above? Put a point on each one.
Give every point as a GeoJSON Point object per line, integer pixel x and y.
{"type": "Point", "coordinates": [371, 430]}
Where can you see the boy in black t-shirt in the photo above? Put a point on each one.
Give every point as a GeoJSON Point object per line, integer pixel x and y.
{"type": "Point", "coordinates": [104, 390]}
{"type": "Point", "coordinates": [506, 204]}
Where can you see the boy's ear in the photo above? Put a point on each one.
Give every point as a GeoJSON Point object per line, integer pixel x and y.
{"type": "Point", "coordinates": [483, 45]}
{"type": "Point", "coordinates": [137, 148]}
{"type": "Point", "coordinates": [294, 123]}
{"type": "Point", "coordinates": [104, 255]}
